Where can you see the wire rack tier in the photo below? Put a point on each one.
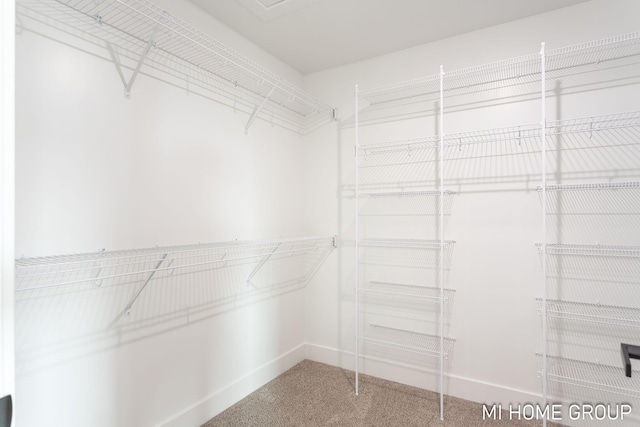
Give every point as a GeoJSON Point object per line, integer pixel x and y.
{"type": "Point", "coordinates": [405, 243]}
{"type": "Point", "coordinates": [590, 250]}
{"type": "Point", "coordinates": [618, 55]}
{"type": "Point", "coordinates": [593, 313]}
{"type": "Point", "coordinates": [592, 376]}
{"type": "Point", "coordinates": [406, 291]}
{"type": "Point", "coordinates": [105, 268]}
{"type": "Point", "coordinates": [154, 35]}
{"type": "Point", "coordinates": [407, 340]}
{"type": "Point", "coordinates": [596, 186]}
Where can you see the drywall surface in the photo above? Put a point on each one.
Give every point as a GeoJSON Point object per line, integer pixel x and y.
{"type": "Point", "coordinates": [495, 218]}
{"type": "Point", "coordinates": [170, 166]}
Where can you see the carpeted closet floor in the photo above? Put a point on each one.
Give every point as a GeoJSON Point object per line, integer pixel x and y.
{"type": "Point", "coordinates": [315, 394]}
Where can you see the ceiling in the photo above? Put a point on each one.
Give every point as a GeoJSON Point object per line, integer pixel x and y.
{"type": "Point", "coordinates": [313, 35]}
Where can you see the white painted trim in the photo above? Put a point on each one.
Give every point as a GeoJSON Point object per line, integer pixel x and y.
{"type": "Point", "coordinates": [7, 196]}
{"type": "Point", "coordinates": [456, 386]}
{"type": "Point", "coordinates": [213, 404]}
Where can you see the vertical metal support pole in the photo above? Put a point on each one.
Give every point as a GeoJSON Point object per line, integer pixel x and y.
{"type": "Point", "coordinates": [357, 303]}
{"type": "Point", "coordinates": [127, 90]}
{"type": "Point", "coordinates": [543, 130]}
{"type": "Point", "coordinates": [441, 243]}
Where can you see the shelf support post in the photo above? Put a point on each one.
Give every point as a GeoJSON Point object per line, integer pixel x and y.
{"type": "Point", "coordinates": [441, 243]}
{"type": "Point", "coordinates": [260, 107]}
{"type": "Point", "coordinates": [263, 262]}
{"type": "Point", "coordinates": [357, 239]}
{"type": "Point", "coordinates": [543, 160]}
{"type": "Point", "coordinates": [145, 53]}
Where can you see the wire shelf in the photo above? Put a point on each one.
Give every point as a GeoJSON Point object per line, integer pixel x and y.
{"type": "Point", "coordinates": [593, 313]}
{"type": "Point", "coordinates": [593, 376]}
{"type": "Point", "coordinates": [406, 291]}
{"type": "Point", "coordinates": [417, 193]}
{"type": "Point", "coordinates": [405, 243]}
{"type": "Point", "coordinates": [597, 186]}
{"type": "Point", "coordinates": [141, 26]}
{"type": "Point", "coordinates": [509, 77]}
{"type": "Point", "coordinates": [406, 340]}
{"type": "Point", "coordinates": [118, 267]}
{"type": "Point", "coordinates": [591, 250]}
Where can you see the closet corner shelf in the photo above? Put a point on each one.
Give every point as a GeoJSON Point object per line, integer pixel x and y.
{"type": "Point", "coordinates": [592, 376]}
{"type": "Point", "coordinates": [152, 34]}
{"type": "Point", "coordinates": [593, 313]}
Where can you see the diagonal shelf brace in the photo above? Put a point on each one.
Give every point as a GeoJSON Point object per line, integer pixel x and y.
{"type": "Point", "coordinates": [147, 49]}
{"type": "Point", "coordinates": [127, 309]}
{"type": "Point", "coordinates": [259, 108]}
{"type": "Point", "coordinates": [259, 266]}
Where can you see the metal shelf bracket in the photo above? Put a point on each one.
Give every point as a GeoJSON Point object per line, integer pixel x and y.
{"type": "Point", "coordinates": [150, 44]}
{"type": "Point", "coordinates": [259, 266]}
{"type": "Point", "coordinates": [260, 107]}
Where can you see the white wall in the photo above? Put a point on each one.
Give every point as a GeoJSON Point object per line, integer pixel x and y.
{"type": "Point", "coordinates": [495, 269]}
{"type": "Point", "coordinates": [166, 167]}
{"type": "Point", "coordinates": [7, 201]}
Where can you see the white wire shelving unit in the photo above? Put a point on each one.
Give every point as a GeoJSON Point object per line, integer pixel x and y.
{"type": "Point", "coordinates": [151, 37]}
{"type": "Point", "coordinates": [400, 170]}
{"type": "Point", "coordinates": [139, 269]}
{"type": "Point", "coordinates": [608, 144]}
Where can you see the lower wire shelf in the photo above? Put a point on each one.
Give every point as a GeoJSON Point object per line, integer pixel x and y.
{"type": "Point", "coordinates": [592, 376]}
{"type": "Point", "coordinates": [406, 340]}
{"type": "Point", "coordinates": [406, 291]}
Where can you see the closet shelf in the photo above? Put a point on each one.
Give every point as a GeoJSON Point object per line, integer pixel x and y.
{"type": "Point", "coordinates": [606, 126]}
{"type": "Point", "coordinates": [593, 376]}
{"type": "Point", "coordinates": [405, 291]}
{"type": "Point", "coordinates": [591, 250]}
{"type": "Point", "coordinates": [406, 340]}
{"type": "Point", "coordinates": [502, 77]}
{"type": "Point", "coordinates": [593, 313]}
{"type": "Point", "coordinates": [154, 34]}
{"type": "Point", "coordinates": [110, 268]}
{"type": "Point", "coordinates": [630, 185]}
{"type": "Point", "coordinates": [405, 243]}
{"type": "Point", "coordinates": [417, 193]}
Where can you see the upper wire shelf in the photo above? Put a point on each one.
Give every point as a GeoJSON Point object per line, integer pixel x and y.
{"type": "Point", "coordinates": [591, 250]}
{"type": "Point", "coordinates": [154, 33]}
{"type": "Point", "coordinates": [502, 78]}
{"type": "Point", "coordinates": [417, 193]}
{"type": "Point", "coordinates": [593, 313]}
{"type": "Point", "coordinates": [593, 376]}
{"type": "Point", "coordinates": [117, 267]}
{"type": "Point", "coordinates": [528, 133]}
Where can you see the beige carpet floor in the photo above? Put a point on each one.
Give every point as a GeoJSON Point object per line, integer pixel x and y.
{"type": "Point", "coordinates": [314, 394]}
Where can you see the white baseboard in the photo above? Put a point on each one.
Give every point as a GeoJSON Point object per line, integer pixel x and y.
{"type": "Point", "coordinates": [210, 406]}
{"type": "Point", "coordinates": [457, 386]}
